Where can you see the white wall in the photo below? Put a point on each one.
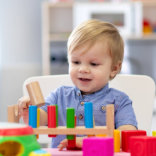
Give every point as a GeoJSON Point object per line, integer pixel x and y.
{"type": "Point", "coordinates": [20, 48]}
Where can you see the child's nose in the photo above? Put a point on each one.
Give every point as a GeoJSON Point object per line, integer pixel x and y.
{"type": "Point", "coordinates": [84, 69]}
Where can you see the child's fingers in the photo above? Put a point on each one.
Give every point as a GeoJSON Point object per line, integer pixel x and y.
{"type": "Point", "coordinates": [23, 103]}
{"type": "Point", "coordinates": [62, 144]}
{"type": "Point", "coordinates": [25, 116]}
{"type": "Point", "coordinates": [79, 141]}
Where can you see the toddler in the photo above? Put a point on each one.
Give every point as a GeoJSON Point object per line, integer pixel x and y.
{"type": "Point", "coordinates": [95, 55]}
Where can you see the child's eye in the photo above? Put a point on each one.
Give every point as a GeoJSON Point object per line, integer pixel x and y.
{"type": "Point", "coordinates": [94, 64]}
{"type": "Point", "coordinates": [76, 62]}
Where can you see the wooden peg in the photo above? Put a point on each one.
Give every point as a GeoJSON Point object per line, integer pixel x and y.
{"type": "Point", "coordinates": [110, 119]}
{"type": "Point", "coordinates": [13, 113]}
{"type": "Point", "coordinates": [35, 94]}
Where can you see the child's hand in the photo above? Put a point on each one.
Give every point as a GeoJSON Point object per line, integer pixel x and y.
{"type": "Point", "coordinates": [64, 143]}
{"type": "Point", "coordinates": [23, 105]}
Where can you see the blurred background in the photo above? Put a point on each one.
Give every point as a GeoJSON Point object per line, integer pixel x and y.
{"type": "Point", "coordinates": [33, 36]}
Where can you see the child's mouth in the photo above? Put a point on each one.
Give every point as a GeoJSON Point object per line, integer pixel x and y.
{"type": "Point", "coordinates": [85, 79]}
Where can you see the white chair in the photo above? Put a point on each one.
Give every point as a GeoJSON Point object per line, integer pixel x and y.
{"type": "Point", "coordinates": [140, 88]}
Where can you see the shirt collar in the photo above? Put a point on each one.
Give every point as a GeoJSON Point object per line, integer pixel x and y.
{"type": "Point", "coordinates": [102, 91]}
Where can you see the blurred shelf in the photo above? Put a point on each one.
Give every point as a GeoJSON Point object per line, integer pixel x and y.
{"type": "Point", "coordinates": [59, 36]}
{"type": "Point", "coordinates": [59, 4]}
{"type": "Point", "coordinates": [142, 37]}
{"type": "Point", "coordinates": [149, 3]}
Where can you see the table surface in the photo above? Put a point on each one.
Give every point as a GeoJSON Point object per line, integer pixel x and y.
{"type": "Point", "coordinates": [56, 152]}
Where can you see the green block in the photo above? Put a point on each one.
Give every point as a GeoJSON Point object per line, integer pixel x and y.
{"type": "Point", "coordinates": [56, 115]}
{"type": "Point", "coordinates": [70, 121]}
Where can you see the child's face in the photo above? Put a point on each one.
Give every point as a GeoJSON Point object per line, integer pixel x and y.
{"type": "Point", "coordinates": [90, 68]}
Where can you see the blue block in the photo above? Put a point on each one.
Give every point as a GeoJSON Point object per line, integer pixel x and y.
{"type": "Point", "coordinates": [33, 116]}
{"type": "Point", "coordinates": [88, 114]}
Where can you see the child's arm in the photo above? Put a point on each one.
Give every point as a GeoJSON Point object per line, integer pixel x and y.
{"type": "Point", "coordinates": [127, 127]}
{"type": "Point", "coordinates": [23, 104]}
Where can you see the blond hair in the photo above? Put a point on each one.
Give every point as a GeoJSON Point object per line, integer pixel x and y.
{"type": "Point", "coordinates": [94, 30]}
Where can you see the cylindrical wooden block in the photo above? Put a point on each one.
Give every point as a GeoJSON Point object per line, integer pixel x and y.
{"type": "Point", "coordinates": [70, 121]}
{"type": "Point", "coordinates": [88, 115]}
{"type": "Point", "coordinates": [52, 118]}
{"type": "Point", "coordinates": [35, 94]}
{"type": "Point", "coordinates": [38, 117]}
{"type": "Point", "coordinates": [13, 113]}
{"type": "Point", "coordinates": [116, 140]}
{"type": "Point", "coordinates": [33, 116]}
{"type": "Point", "coordinates": [110, 119]}
{"type": "Point", "coordinates": [56, 115]}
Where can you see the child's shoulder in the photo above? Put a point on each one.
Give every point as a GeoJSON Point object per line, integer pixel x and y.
{"type": "Point", "coordinates": [117, 93]}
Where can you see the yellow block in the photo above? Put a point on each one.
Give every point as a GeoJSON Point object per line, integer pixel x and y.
{"type": "Point", "coordinates": [116, 140]}
{"type": "Point", "coordinates": [38, 117]}
{"type": "Point", "coordinates": [153, 133]}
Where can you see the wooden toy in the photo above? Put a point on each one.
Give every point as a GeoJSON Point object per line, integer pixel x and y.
{"type": "Point", "coordinates": [98, 146]}
{"type": "Point", "coordinates": [17, 139]}
{"type": "Point", "coordinates": [35, 94]}
{"type": "Point", "coordinates": [52, 118]}
{"type": "Point", "coordinates": [33, 116]}
{"type": "Point", "coordinates": [116, 140]}
{"type": "Point", "coordinates": [126, 135]}
{"type": "Point", "coordinates": [13, 115]}
{"type": "Point", "coordinates": [62, 130]}
{"type": "Point", "coordinates": [70, 120]}
{"type": "Point", "coordinates": [143, 146]}
{"type": "Point", "coordinates": [36, 98]}
{"type": "Point", "coordinates": [88, 114]}
{"type": "Point", "coordinates": [153, 133]}
{"type": "Point", "coordinates": [38, 117]}
{"type": "Point", "coordinates": [72, 143]}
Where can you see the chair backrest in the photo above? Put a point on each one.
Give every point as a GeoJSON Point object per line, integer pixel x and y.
{"type": "Point", "coordinates": [140, 88]}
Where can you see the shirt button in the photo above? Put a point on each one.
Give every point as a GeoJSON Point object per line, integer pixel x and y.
{"type": "Point", "coordinates": [103, 108]}
{"type": "Point", "coordinates": [82, 103]}
{"type": "Point", "coordinates": [78, 94]}
{"type": "Point", "coordinates": [80, 117]}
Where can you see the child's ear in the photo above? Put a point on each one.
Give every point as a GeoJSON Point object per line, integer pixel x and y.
{"type": "Point", "coordinates": [115, 69]}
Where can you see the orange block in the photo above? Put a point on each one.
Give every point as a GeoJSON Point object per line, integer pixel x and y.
{"type": "Point", "coordinates": [116, 140]}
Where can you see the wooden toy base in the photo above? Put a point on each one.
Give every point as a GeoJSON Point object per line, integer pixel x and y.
{"type": "Point", "coordinates": [56, 152]}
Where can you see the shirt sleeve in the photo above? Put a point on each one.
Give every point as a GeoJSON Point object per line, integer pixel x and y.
{"type": "Point", "coordinates": [124, 113]}
{"type": "Point", "coordinates": [50, 100]}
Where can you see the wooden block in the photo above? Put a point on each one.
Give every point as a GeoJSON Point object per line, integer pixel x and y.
{"type": "Point", "coordinates": [153, 133]}
{"type": "Point", "coordinates": [110, 119]}
{"type": "Point", "coordinates": [35, 94]}
{"type": "Point", "coordinates": [143, 146]}
{"type": "Point", "coordinates": [70, 121]}
{"type": "Point", "coordinates": [62, 130]}
{"type": "Point", "coordinates": [127, 134]}
{"type": "Point", "coordinates": [13, 113]}
{"type": "Point", "coordinates": [116, 140]}
{"type": "Point", "coordinates": [98, 146]}
{"type": "Point", "coordinates": [52, 117]}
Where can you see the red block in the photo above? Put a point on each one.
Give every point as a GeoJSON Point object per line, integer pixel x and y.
{"type": "Point", "coordinates": [126, 135]}
{"type": "Point", "coordinates": [52, 118]}
{"type": "Point", "coordinates": [72, 144]}
{"type": "Point", "coordinates": [143, 146]}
